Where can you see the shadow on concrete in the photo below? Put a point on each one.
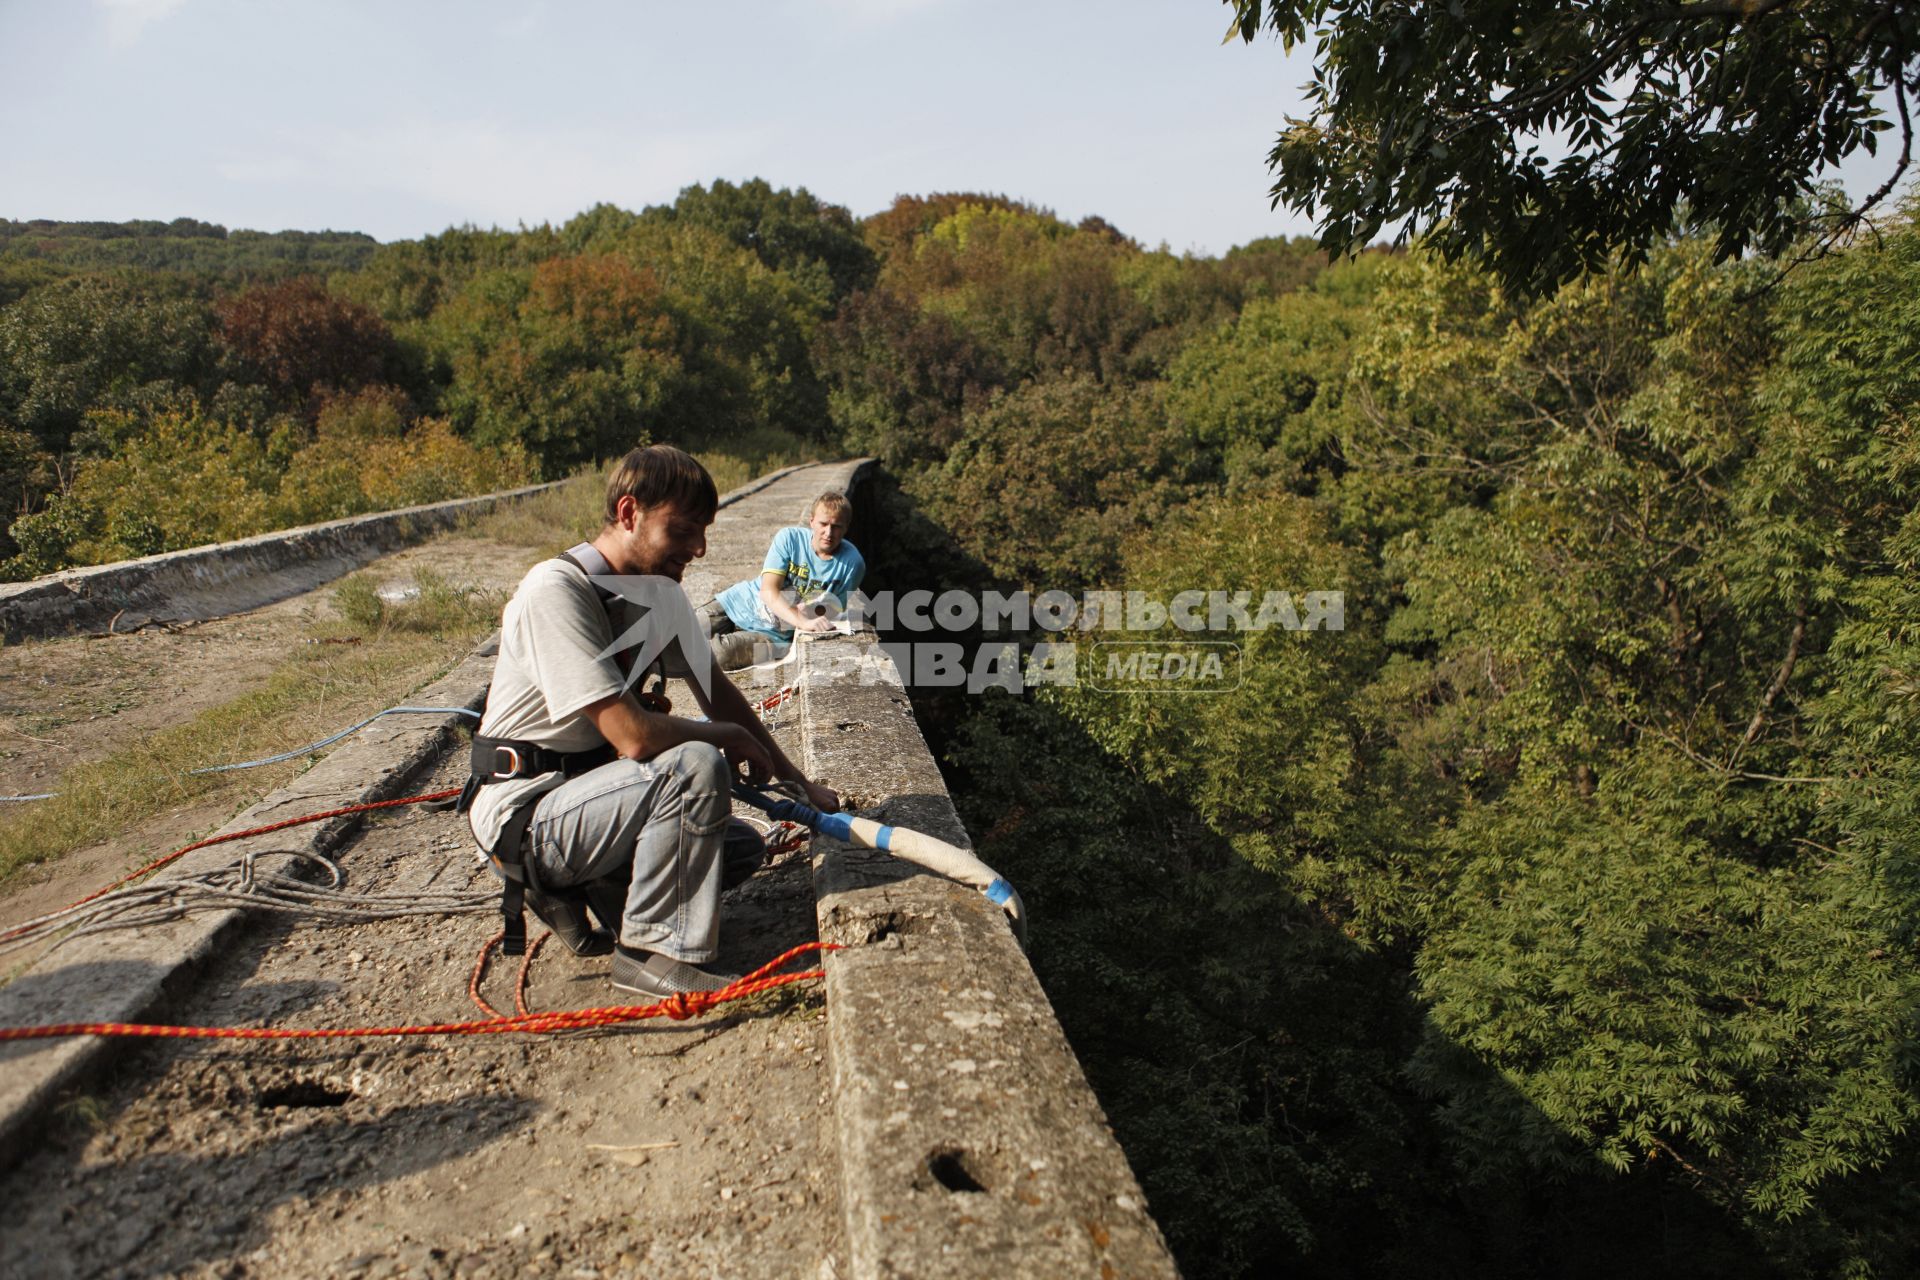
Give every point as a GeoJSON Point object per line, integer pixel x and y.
{"type": "Point", "coordinates": [124, 991]}
{"type": "Point", "coordinates": [170, 1211]}
{"type": "Point", "coordinates": [1261, 1069]}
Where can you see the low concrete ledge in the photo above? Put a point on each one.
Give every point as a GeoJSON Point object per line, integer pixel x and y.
{"type": "Point", "coordinates": [970, 1142]}
{"type": "Point", "coordinates": [228, 577]}
{"type": "Point", "coordinates": [131, 975]}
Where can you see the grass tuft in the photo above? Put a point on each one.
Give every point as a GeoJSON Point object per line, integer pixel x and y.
{"type": "Point", "coordinates": [317, 691]}
{"type": "Point", "coordinates": [554, 518]}
{"type": "Point", "coordinates": [435, 605]}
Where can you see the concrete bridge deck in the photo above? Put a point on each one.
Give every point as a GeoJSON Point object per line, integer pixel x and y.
{"type": "Point", "coordinates": [919, 1115]}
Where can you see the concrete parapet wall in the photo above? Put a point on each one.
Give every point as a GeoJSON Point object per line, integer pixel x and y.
{"type": "Point", "coordinates": [970, 1141]}
{"type": "Point", "coordinates": [204, 582]}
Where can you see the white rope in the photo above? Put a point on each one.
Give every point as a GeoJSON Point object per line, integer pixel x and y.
{"type": "Point", "coordinates": [244, 885]}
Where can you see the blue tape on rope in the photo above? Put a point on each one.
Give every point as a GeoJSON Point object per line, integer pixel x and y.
{"type": "Point", "coordinates": [884, 840]}
{"type": "Point", "coordinates": [839, 826]}
{"type": "Point", "coordinates": [998, 893]}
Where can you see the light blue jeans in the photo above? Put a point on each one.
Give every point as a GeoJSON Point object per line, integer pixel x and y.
{"type": "Point", "coordinates": [663, 824]}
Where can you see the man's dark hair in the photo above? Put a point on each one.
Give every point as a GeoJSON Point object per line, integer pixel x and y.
{"type": "Point", "coordinates": [659, 474]}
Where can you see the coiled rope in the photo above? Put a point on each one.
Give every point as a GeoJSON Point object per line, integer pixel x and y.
{"type": "Point", "coordinates": [242, 884]}
{"type": "Point", "coordinates": [31, 929]}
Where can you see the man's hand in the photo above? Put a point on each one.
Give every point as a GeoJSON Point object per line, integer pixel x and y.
{"type": "Point", "coordinates": [825, 799]}
{"type": "Point", "coordinates": [819, 624]}
{"type": "Point", "coordinates": [742, 748]}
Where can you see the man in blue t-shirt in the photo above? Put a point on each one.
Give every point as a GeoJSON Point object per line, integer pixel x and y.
{"type": "Point", "coordinates": [809, 574]}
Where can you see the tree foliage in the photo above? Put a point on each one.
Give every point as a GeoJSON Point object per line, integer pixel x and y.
{"type": "Point", "coordinates": [1555, 916]}
{"type": "Point", "coordinates": [568, 358]}
{"type": "Point", "coordinates": [184, 245]}
{"type": "Point", "coordinates": [298, 340]}
{"type": "Point", "coordinates": [1548, 138]}
{"type": "Point", "coordinates": [791, 231]}
{"type": "Point", "coordinates": [86, 341]}
{"type": "Point", "coordinates": [1046, 481]}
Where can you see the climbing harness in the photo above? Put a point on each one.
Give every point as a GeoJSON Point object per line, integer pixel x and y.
{"type": "Point", "coordinates": [509, 759]}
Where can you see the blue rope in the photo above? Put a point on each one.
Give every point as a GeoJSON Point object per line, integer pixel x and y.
{"type": "Point", "coordinates": [293, 754]}
{"type": "Point", "coordinates": [327, 742]}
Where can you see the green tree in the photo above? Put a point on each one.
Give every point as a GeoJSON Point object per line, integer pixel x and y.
{"type": "Point", "coordinates": [218, 480]}
{"type": "Point", "coordinates": [792, 231]}
{"type": "Point", "coordinates": [901, 379]}
{"type": "Point", "coordinates": [96, 341]}
{"type": "Point", "coordinates": [1264, 392]}
{"type": "Point", "coordinates": [1047, 481]}
{"type": "Point", "coordinates": [569, 359]}
{"type": "Point", "coordinates": [1446, 118]}
{"type": "Point", "coordinates": [1042, 296]}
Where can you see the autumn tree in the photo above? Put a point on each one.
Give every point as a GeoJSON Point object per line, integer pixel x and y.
{"type": "Point", "coordinates": [300, 339]}
{"type": "Point", "coordinates": [567, 359]}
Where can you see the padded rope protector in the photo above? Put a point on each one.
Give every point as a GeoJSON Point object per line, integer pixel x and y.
{"type": "Point", "coordinates": [912, 846]}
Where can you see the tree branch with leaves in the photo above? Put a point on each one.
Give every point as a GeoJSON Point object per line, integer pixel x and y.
{"type": "Point", "coordinates": [1547, 138]}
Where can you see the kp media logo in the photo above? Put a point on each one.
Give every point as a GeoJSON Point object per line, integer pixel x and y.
{"type": "Point", "coordinates": [1178, 666]}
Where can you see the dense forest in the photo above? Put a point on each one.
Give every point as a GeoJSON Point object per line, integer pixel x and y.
{"type": "Point", "coordinates": [1555, 917]}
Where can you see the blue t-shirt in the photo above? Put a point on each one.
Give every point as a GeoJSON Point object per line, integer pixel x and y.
{"type": "Point", "coordinates": [807, 572]}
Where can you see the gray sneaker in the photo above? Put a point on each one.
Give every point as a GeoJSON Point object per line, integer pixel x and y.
{"type": "Point", "coordinates": [656, 976]}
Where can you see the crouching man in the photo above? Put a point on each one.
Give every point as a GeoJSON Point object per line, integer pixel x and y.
{"type": "Point", "coordinates": [587, 795]}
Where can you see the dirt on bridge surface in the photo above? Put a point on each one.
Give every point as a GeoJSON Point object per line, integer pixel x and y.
{"type": "Point", "coordinates": [699, 1148]}
{"type": "Point", "coordinates": [81, 698]}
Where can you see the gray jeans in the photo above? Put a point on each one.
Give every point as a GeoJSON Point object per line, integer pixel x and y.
{"type": "Point", "coordinates": [664, 825]}
{"type": "Point", "coordinates": [733, 648]}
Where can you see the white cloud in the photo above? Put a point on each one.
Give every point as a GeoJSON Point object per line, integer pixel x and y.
{"type": "Point", "coordinates": [128, 20]}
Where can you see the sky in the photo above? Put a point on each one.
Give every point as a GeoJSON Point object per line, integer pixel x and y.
{"type": "Point", "coordinates": [404, 117]}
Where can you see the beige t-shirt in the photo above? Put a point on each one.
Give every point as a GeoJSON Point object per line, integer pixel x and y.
{"type": "Point", "coordinates": [555, 659]}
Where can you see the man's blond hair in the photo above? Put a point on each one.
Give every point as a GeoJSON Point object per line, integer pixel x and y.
{"type": "Point", "coordinates": [834, 501]}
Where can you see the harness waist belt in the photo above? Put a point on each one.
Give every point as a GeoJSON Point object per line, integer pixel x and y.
{"type": "Point", "coordinates": [505, 759]}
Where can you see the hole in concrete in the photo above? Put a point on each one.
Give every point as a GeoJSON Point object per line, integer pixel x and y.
{"type": "Point", "coordinates": [948, 1167]}
{"type": "Point", "coordinates": [885, 926]}
{"type": "Point", "coordinates": [303, 1093]}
